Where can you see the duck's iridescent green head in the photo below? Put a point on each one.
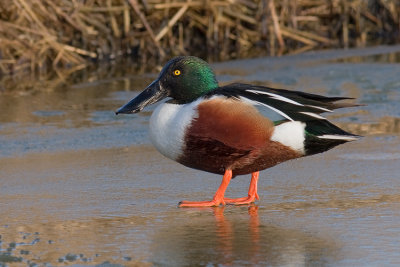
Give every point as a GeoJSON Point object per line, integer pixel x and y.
{"type": "Point", "coordinates": [184, 79]}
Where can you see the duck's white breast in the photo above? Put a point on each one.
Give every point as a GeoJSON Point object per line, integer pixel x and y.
{"type": "Point", "coordinates": [168, 125]}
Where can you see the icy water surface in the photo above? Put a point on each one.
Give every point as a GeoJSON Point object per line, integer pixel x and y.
{"type": "Point", "coordinates": [81, 186]}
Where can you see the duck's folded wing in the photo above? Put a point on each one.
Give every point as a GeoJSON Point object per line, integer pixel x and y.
{"type": "Point", "coordinates": [285, 105]}
{"type": "Point", "coordinates": [292, 105]}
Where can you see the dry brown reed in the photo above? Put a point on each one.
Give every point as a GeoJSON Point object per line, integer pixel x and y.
{"type": "Point", "coordinates": [38, 35]}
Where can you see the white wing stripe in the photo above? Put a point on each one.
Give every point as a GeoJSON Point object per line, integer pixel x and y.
{"type": "Point", "coordinates": [338, 137]}
{"type": "Point", "coordinates": [285, 99]}
{"type": "Point", "coordinates": [277, 97]}
{"type": "Point", "coordinates": [255, 103]}
{"type": "Point", "coordinates": [320, 108]}
{"type": "Point", "coordinates": [313, 115]}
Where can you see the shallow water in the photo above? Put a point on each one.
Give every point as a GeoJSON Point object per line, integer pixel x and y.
{"type": "Point", "coordinates": [81, 186]}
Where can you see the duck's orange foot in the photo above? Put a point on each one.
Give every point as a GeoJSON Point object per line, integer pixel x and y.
{"type": "Point", "coordinates": [212, 203]}
{"type": "Point", "coordinates": [218, 197]}
{"type": "Point", "coordinates": [243, 200]}
{"type": "Point", "coordinates": [252, 196]}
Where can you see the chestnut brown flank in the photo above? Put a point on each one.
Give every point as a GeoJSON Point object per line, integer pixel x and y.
{"type": "Point", "coordinates": [230, 134]}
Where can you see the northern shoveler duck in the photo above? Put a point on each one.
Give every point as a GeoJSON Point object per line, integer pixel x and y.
{"type": "Point", "coordinates": [234, 129]}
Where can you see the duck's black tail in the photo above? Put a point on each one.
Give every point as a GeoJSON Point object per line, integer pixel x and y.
{"type": "Point", "coordinates": [321, 135]}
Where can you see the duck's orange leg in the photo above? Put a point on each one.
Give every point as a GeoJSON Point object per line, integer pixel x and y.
{"type": "Point", "coordinates": [252, 196]}
{"type": "Point", "coordinates": [218, 197]}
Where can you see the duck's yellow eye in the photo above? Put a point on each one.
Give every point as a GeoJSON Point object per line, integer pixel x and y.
{"type": "Point", "coordinates": [177, 72]}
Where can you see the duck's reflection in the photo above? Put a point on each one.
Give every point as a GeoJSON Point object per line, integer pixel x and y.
{"type": "Point", "coordinates": [222, 236]}
{"type": "Point", "coordinates": [225, 231]}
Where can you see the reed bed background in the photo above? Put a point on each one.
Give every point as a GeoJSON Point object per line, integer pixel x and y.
{"type": "Point", "coordinates": [41, 35]}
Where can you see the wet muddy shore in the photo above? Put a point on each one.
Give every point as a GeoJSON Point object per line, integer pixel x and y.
{"type": "Point", "coordinates": [81, 186]}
